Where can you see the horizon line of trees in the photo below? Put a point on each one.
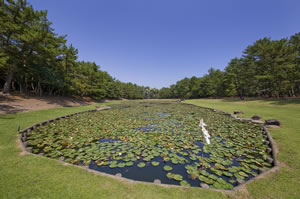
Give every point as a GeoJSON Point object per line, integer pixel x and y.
{"type": "Point", "coordinates": [267, 68]}
{"type": "Point", "coordinates": [34, 59]}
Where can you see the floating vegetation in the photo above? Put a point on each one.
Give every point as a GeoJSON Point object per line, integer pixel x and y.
{"type": "Point", "coordinates": [145, 141]}
{"type": "Point", "coordinates": [154, 163]}
{"type": "Point", "coordinates": [184, 183]}
{"type": "Point", "coordinates": [141, 164]}
{"type": "Point", "coordinates": [167, 168]}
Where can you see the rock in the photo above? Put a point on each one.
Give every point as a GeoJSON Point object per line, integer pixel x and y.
{"type": "Point", "coordinates": [239, 181]}
{"type": "Point", "coordinates": [23, 139]}
{"type": "Point", "coordinates": [268, 150]}
{"type": "Point", "coordinates": [238, 112]}
{"type": "Point", "coordinates": [266, 142]}
{"type": "Point", "coordinates": [256, 117]}
{"type": "Point", "coordinates": [234, 116]}
{"type": "Point", "coordinates": [29, 149]}
{"type": "Point", "coordinates": [203, 185]}
{"type": "Point", "coordinates": [272, 126]}
{"type": "Point", "coordinates": [157, 181]}
{"type": "Point", "coordinates": [270, 160]}
{"type": "Point", "coordinates": [261, 170]}
{"type": "Point", "coordinates": [246, 119]}
{"type": "Point", "coordinates": [119, 175]}
{"type": "Point", "coordinates": [257, 121]}
{"type": "Point", "coordinates": [273, 122]}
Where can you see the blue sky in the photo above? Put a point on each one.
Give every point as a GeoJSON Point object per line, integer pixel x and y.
{"type": "Point", "coordinates": [158, 42]}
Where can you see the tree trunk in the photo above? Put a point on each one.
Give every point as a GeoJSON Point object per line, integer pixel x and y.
{"type": "Point", "coordinates": [293, 93]}
{"type": "Point", "coordinates": [40, 88]}
{"type": "Point", "coordinates": [21, 88]}
{"type": "Point", "coordinates": [7, 84]}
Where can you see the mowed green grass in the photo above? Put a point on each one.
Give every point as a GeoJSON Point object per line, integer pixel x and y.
{"type": "Point", "coordinates": [286, 182]}
{"type": "Point", "coordinates": [28, 176]}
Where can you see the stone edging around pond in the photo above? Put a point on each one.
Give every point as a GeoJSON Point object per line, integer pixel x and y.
{"type": "Point", "coordinates": [272, 150]}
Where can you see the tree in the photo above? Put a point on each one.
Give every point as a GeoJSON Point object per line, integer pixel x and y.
{"type": "Point", "coordinates": [21, 30]}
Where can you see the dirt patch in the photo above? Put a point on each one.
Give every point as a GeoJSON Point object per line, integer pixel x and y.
{"type": "Point", "coordinates": [23, 103]}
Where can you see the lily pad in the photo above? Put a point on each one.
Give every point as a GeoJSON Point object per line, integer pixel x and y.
{"type": "Point", "coordinates": [168, 168]}
{"type": "Point", "coordinates": [154, 163]}
{"type": "Point", "coordinates": [141, 164]}
{"type": "Point", "coordinates": [184, 183]}
{"type": "Point", "coordinates": [177, 177]}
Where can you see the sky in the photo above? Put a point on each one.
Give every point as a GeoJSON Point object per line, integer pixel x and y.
{"type": "Point", "coordinates": [159, 42]}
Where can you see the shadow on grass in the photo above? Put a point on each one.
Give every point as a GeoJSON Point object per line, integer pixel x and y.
{"type": "Point", "coordinates": [8, 117]}
{"type": "Point", "coordinates": [7, 109]}
{"type": "Point", "coordinates": [274, 101]}
{"type": "Point", "coordinates": [285, 101]}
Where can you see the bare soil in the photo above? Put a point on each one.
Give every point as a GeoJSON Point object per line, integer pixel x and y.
{"type": "Point", "coordinates": [15, 103]}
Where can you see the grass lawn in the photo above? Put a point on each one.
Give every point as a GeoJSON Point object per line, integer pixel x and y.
{"type": "Point", "coordinates": [28, 176]}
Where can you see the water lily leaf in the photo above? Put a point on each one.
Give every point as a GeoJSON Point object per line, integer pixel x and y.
{"type": "Point", "coordinates": [168, 168]}
{"type": "Point", "coordinates": [241, 173]}
{"type": "Point", "coordinates": [141, 164]}
{"type": "Point", "coordinates": [227, 174]}
{"type": "Point", "coordinates": [184, 183]}
{"type": "Point", "coordinates": [121, 165]}
{"type": "Point", "coordinates": [129, 164]}
{"type": "Point", "coordinates": [218, 185]}
{"type": "Point", "coordinates": [154, 163]}
{"type": "Point", "coordinates": [170, 175]}
{"type": "Point", "coordinates": [177, 177]}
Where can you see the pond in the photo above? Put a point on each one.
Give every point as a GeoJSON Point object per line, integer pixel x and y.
{"type": "Point", "coordinates": [145, 141]}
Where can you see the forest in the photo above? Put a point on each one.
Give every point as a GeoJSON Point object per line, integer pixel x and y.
{"type": "Point", "coordinates": [34, 59]}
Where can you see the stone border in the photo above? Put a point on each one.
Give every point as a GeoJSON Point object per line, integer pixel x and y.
{"type": "Point", "coordinates": [272, 151]}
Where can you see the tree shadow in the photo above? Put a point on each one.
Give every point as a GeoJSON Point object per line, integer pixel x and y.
{"type": "Point", "coordinates": [274, 101]}
{"type": "Point", "coordinates": [5, 98]}
{"type": "Point", "coordinates": [7, 109]}
{"type": "Point", "coordinates": [285, 101]}
{"type": "Point", "coordinates": [63, 101]}
{"type": "Point", "coordinates": [7, 117]}
{"type": "Point", "coordinates": [237, 99]}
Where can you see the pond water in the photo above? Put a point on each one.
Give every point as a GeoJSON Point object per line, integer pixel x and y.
{"type": "Point", "coordinates": [148, 141]}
